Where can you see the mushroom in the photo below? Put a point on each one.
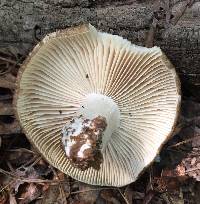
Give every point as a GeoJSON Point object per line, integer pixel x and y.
{"type": "Point", "coordinates": [96, 106]}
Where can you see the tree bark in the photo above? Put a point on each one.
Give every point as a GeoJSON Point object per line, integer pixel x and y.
{"type": "Point", "coordinates": [24, 22]}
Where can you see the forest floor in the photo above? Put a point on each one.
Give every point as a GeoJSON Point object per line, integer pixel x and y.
{"type": "Point", "coordinates": [25, 177]}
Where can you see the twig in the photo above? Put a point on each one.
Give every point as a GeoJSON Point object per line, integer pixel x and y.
{"type": "Point", "coordinates": [169, 198]}
{"type": "Point", "coordinates": [10, 61]}
{"type": "Point", "coordinates": [38, 198]}
{"type": "Point", "coordinates": [7, 173]}
{"type": "Point", "coordinates": [189, 3]}
{"type": "Point", "coordinates": [40, 181]}
{"type": "Point", "coordinates": [125, 199]}
{"type": "Point", "coordinates": [150, 177]}
{"type": "Point", "coordinates": [21, 150]}
{"type": "Point", "coordinates": [10, 167]}
{"type": "Point", "coordinates": [35, 162]}
{"type": "Point", "coordinates": [185, 141]}
{"type": "Point", "coordinates": [153, 28]}
{"type": "Point", "coordinates": [32, 162]}
{"type": "Point", "coordinates": [95, 189]}
{"type": "Point", "coordinates": [148, 197]}
{"type": "Point", "coordinates": [168, 13]}
{"type": "Point", "coordinates": [6, 186]}
{"type": "Point", "coordinates": [62, 191]}
{"type": "Point", "coordinates": [31, 180]}
{"type": "Point", "coordinates": [151, 34]}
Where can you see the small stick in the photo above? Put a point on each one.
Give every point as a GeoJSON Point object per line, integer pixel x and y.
{"type": "Point", "coordinates": [183, 9]}
{"type": "Point", "coordinates": [95, 189]}
{"type": "Point", "coordinates": [151, 34]}
{"type": "Point", "coordinates": [31, 180]}
{"type": "Point", "coordinates": [185, 141]}
{"type": "Point", "coordinates": [61, 189]}
{"type": "Point", "coordinates": [125, 199]}
{"type": "Point", "coordinates": [9, 60]}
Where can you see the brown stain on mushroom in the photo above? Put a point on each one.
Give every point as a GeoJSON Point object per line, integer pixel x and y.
{"type": "Point", "coordinates": [91, 134]}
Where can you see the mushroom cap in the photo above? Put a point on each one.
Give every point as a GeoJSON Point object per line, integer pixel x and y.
{"type": "Point", "coordinates": [68, 65]}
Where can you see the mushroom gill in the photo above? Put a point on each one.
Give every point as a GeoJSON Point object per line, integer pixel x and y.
{"type": "Point", "coordinates": [81, 74]}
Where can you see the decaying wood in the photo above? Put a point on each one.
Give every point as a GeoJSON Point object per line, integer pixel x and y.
{"type": "Point", "coordinates": [23, 23]}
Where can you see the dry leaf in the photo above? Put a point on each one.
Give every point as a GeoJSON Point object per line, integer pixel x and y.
{"type": "Point", "coordinates": [12, 199]}
{"type": "Point", "coordinates": [192, 164]}
{"type": "Point", "coordinates": [131, 195]}
{"type": "Point", "coordinates": [51, 195]}
{"type": "Point", "coordinates": [31, 192]}
{"type": "Point", "coordinates": [23, 172]}
{"type": "Point", "coordinates": [3, 197]}
{"type": "Point", "coordinates": [88, 194]}
{"type": "Point", "coordinates": [148, 197]}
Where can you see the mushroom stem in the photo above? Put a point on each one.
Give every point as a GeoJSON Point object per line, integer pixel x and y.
{"type": "Point", "coordinates": [82, 142]}
{"type": "Point", "coordinates": [101, 105]}
{"type": "Point", "coordinates": [88, 134]}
